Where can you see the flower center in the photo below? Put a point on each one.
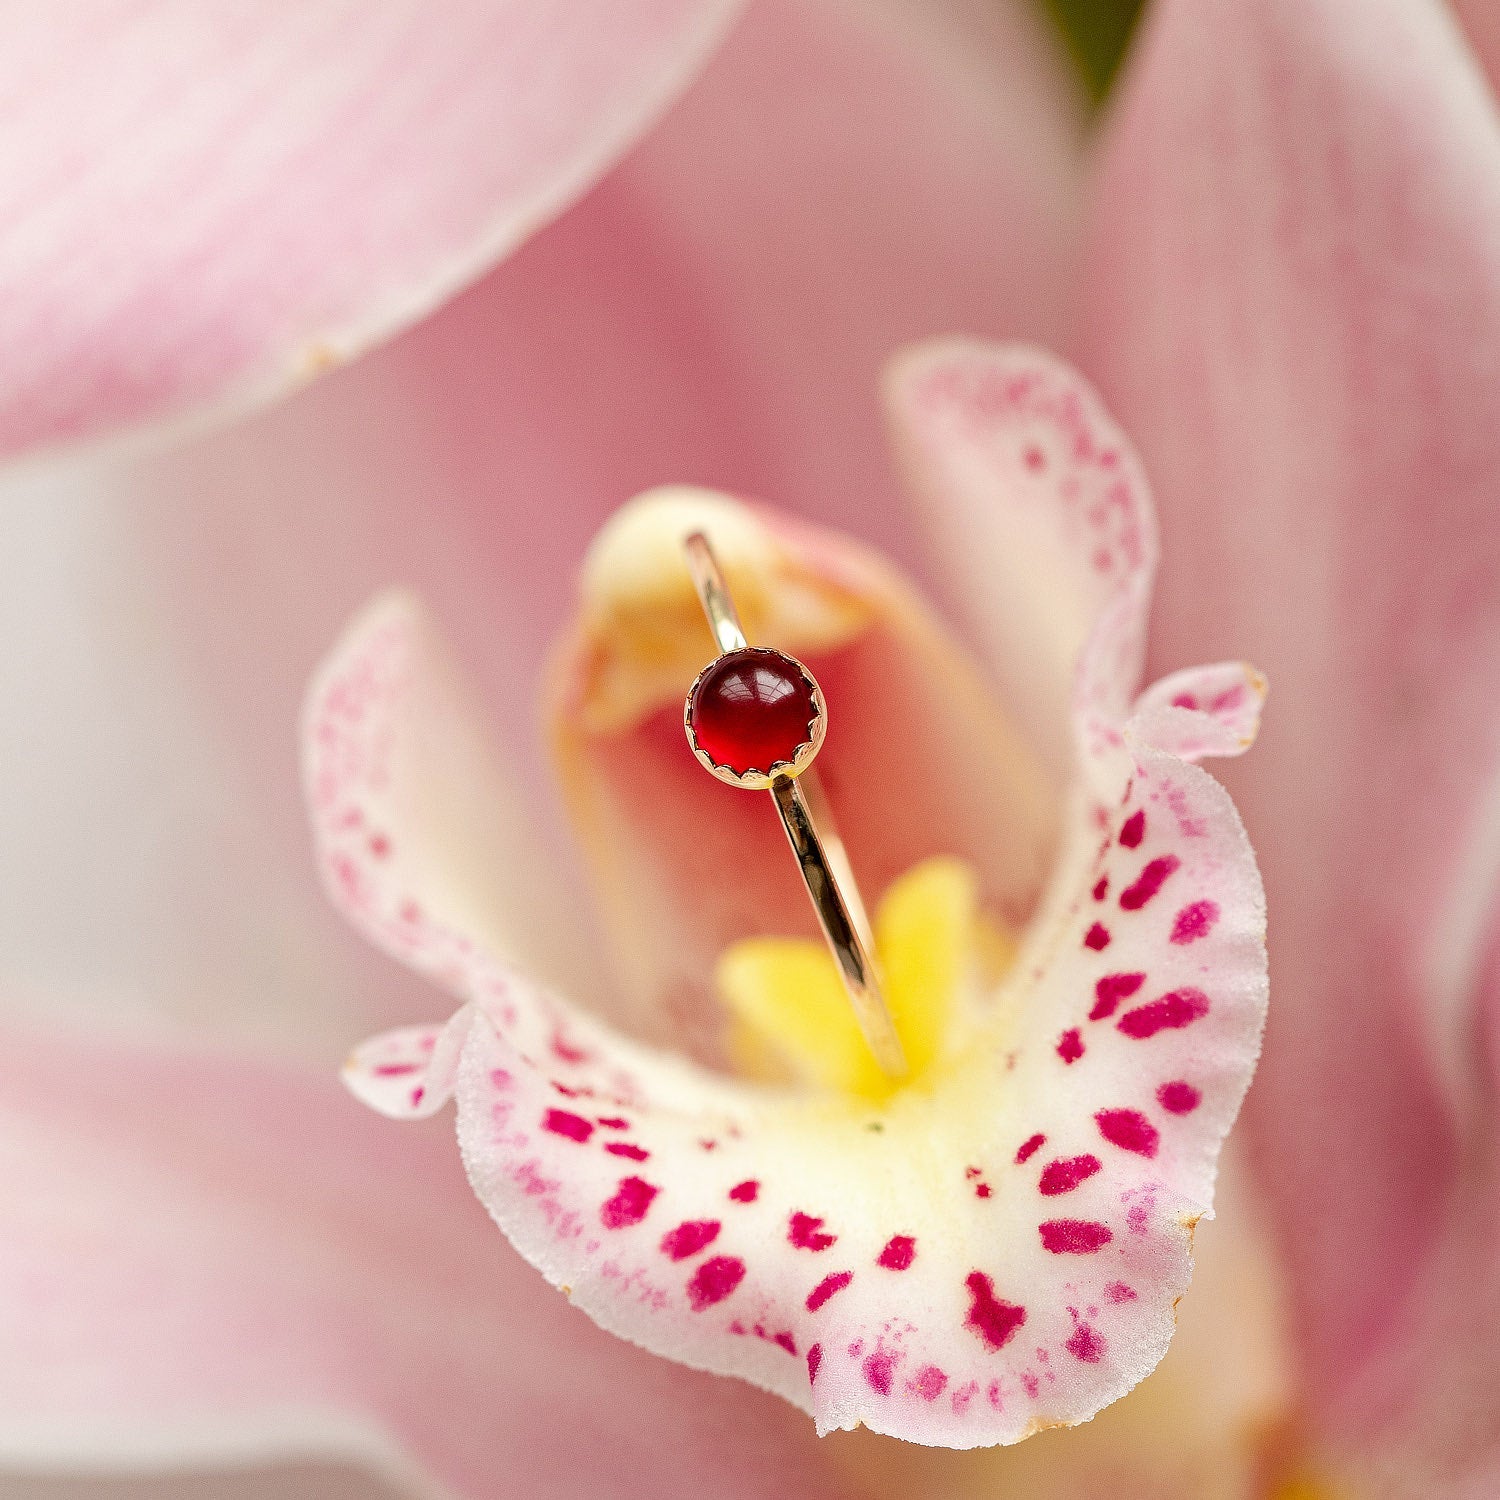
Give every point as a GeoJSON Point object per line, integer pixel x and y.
{"type": "Point", "coordinates": [937, 952]}
{"type": "Point", "coordinates": [752, 710]}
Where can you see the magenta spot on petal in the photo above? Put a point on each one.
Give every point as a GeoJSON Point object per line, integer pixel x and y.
{"type": "Point", "coordinates": [500, 1079]}
{"type": "Point", "coordinates": [827, 1287]}
{"type": "Point", "coordinates": [628, 1206]}
{"type": "Point", "coordinates": [745, 1192]}
{"type": "Point", "coordinates": [380, 845]}
{"type": "Point", "coordinates": [614, 1122]}
{"type": "Point", "coordinates": [1185, 700]}
{"type": "Point", "coordinates": [992, 1318]}
{"type": "Point", "coordinates": [1128, 1129]}
{"type": "Point", "coordinates": [900, 1250]}
{"type": "Point", "coordinates": [567, 1051]}
{"type": "Point", "coordinates": [814, 1359]}
{"type": "Point", "coordinates": [1034, 458]}
{"type": "Point", "coordinates": [1134, 829]}
{"type": "Point", "coordinates": [1029, 1148]}
{"type": "Point", "coordinates": [786, 1341]}
{"type": "Point", "coordinates": [417, 1095]}
{"type": "Point", "coordinates": [929, 1383]}
{"type": "Point", "coordinates": [1063, 1175]}
{"type": "Point", "coordinates": [394, 1070]}
{"type": "Point", "coordinates": [627, 1150]}
{"type": "Point", "coordinates": [689, 1238]}
{"type": "Point", "coordinates": [805, 1233]}
{"type": "Point", "coordinates": [1178, 1098]}
{"type": "Point", "coordinates": [1110, 990]}
{"type": "Point", "coordinates": [1070, 1045]}
{"type": "Point", "coordinates": [1194, 922]}
{"type": "Point", "coordinates": [1174, 1010]}
{"type": "Point", "coordinates": [1097, 938]}
{"type": "Point", "coordinates": [714, 1280]}
{"type": "Point", "coordinates": [1101, 888]}
{"type": "Point", "coordinates": [1148, 882]}
{"type": "Point", "coordinates": [574, 1127]}
{"type": "Point", "coordinates": [1030, 1383]}
{"type": "Point", "coordinates": [1086, 1344]}
{"type": "Point", "coordinates": [1118, 1292]}
{"type": "Point", "coordinates": [982, 1190]}
{"type": "Point", "coordinates": [879, 1368]}
{"type": "Point", "coordinates": [1074, 1236]}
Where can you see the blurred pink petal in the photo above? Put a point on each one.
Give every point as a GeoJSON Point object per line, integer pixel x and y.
{"type": "Point", "coordinates": [206, 203]}
{"type": "Point", "coordinates": [1294, 303]}
{"type": "Point", "coordinates": [161, 616]}
{"type": "Point", "coordinates": [1481, 22]}
{"type": "Point", "coordinates": [208, 1261]}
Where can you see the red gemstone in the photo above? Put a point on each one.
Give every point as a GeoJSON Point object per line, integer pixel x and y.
{"type": "Point", "coordinates": [751, 709]}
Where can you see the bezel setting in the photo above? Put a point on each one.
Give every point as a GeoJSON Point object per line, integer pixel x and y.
{"type": "Point", "coordinates": [754, 778]}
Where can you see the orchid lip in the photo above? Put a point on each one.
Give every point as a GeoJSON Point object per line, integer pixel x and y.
{"type": "Point", "coordinates": [1006, 1252]}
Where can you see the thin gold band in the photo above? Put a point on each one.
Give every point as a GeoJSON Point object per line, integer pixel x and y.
{"type": "Point", "coordinates": [822, 859]}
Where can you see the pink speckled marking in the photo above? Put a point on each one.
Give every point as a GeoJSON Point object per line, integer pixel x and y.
{"type": "Point", "coordinates": [745, 1192]}
{"type": "Point", "coordinates": [827, 1287]}
{"type": "Point", "coordinates": [806, 1233]}
{"type": "Point", "coordinates": [880, 1369]}
{"type": "Point", "coordinates": [629, 1205]}
{"type": "Point", "coordinates": [714, 1280]}
{"type": "Point", "coordinates": [1029, 1148]}
{"type": "Point", "coordinates": [1194, 921]}
{"type": "Point", "coordinates": [1064, 1174]}
{"type": "Point", "coordinates": [573, 1127]}
{"type": "Point", "coordinates": [1074, 1236]}
{"type": "Point", "coordinates": [1070, 1045]}
{"type": "Point", "coordinates": [1134, 829]}
{"type": "Point", "coordinates": [899, 1252]}
{"type": "Point", "coordinates": [613, 1122]}
{"type": "Point", "coordinates": [1097, 937]}
{"type": "Point", "coordinates": [982, 1190]}
{"type": "Point", "coordinates": [1117, 1292]}
{"type": "Point", "coordinates": [1101, 888]}
{"type": "Point", "coordinates": [993, 1318]}
{"type": "Point", "coordinates": [784, 1340]}
{"type": "Point", "coordinates": [1178, 1097]}
{"type": "Point", "coordinates": [395, 1070]}
{"type": "Point", "coordinates": [929, 1383]}
{"type": "Point", "coordinates": [1128, 1129]}
{"type": "Point", "coordinates": [1148, 882]}
{"type": "Point", "coordinates": [1086, 1344]}
{"type": "Point", "coordinates": [1171, 1012]}
{"type": "Point", "coordinates": [629, 1151]}
{"type": "Point", "coordinates": [1110, 990]}
{"type": "Point", "coordinates": [814, 1359]}
{"type": "Point", "coordinates": [689, 1238]}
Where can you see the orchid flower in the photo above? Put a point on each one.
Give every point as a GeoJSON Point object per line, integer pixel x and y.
{"type": "Point", "coordinates": [1275, 263]}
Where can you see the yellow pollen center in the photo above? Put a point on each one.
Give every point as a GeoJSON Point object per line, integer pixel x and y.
{"type": "Point", "coordinates": [933, 947]}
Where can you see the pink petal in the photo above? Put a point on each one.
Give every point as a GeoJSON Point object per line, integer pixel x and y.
{"type": "Point", "coordinates": [212, 1261]}
{"type": "Point", "coordinates": [207, 205]}
{"type": "Point", "coordinates": [1294, 302]}
{"type": "Point", "coordinates": [753, 1233]}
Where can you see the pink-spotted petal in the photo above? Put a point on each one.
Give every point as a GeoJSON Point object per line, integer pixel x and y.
{"type": "Point", "coordinates": [1041, 513]}
{"type": "Point", "coordinates": [1202, 711]}
{"type": "Point", "coordinates": [1023, 1277]}
{"type": "Point", "coordinates": [204, 203]}
{"type": "Point", "coordinates": [408, 1073]}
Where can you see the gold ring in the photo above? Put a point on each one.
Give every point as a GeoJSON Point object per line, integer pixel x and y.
{"type": "Point", "coordinates": [755, 718]}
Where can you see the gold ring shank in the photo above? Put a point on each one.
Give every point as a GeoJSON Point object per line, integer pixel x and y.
{"type": "Point", "coordinates": [822, 859]}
